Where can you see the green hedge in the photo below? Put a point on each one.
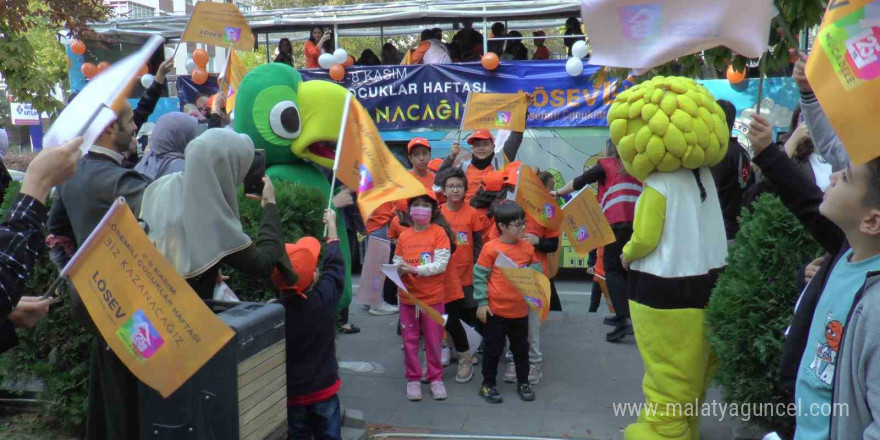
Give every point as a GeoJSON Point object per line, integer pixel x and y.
{"type": "Point", "coordinates": [56, 350]}
{"type": "Point", "coordinates": [753, 304]}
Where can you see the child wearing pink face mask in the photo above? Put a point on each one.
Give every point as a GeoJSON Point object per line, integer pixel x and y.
{"type": "Point", "coordinates": [422, 254]}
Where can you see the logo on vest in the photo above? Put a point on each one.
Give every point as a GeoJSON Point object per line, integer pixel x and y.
{"type": "Point", "coordinates": [461, 238]}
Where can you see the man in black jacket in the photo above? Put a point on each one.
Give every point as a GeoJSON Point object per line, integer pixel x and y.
{"type": "Point", "coordinates": [733, 176]}
{"type": "Point", "coordinates": [313, 409]}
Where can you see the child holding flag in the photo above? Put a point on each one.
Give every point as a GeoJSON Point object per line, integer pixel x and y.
{"type": "Point", "coordinates": [422, 255]}
{"type": "Point", "coordinates": [468, 226]}
{"type": "Point", "coordinates": [310, 306]}
{"type": "Point", "coordinates": [502, 308]}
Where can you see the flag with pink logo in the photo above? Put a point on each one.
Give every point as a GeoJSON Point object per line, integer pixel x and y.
{"type": "Point", "coordinates": [641, 34]}
{"type": "Point", "coordinates": [363, 161]}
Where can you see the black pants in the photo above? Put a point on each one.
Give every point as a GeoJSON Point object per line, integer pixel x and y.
{"type": "Point", "coordinates": [113, 411]}
{"type": "Point", "coordinates": [495, 332]}
{"type": "Point", "coordinates": [615, 274]}
{"type": "Point", "coordinates": [458, 312]}
{"type": "Point", "coordinates": [389, 289]}
{"type": "Point", "coordinates": [595, 297]}
{"type": "Point", "coordinates": [555, 303]}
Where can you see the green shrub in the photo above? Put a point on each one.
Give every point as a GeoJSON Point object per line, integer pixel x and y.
{"type": "Point", "coordinates": [752, 305]}
{"type": "Point", "coordinates": [56, 350]}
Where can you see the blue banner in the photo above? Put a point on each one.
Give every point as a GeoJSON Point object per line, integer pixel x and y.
{"type": "Point", "coordinates": [434, 95]}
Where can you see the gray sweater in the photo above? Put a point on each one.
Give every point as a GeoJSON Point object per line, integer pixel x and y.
{"type": "Point", "coordinates": [824, 137]}
{"type": "Point", "coordinates": [856, 408]}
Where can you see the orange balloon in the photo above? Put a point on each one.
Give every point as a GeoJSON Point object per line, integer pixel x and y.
{"type": "Point", "coordinates": [143, 71]}
{"type": "Point", "coordinates": [88, 70]}
{"type": "Point", "coordinates": [102, 66]}
{"type": "Point", "coordinates": [200, 57]}
{"type": "Point", "coordinates": [199, 76]}
{"type": "Point", "coordinates": [337, 72]}
{"type": "Point", "coordinates": [77, 47]}
{"type": "Point", "coordinates": [490, 61]}
{"type": "Point", "coordinates": [735, 77]}
{"type": "Point", "coordinates": [349, 61]}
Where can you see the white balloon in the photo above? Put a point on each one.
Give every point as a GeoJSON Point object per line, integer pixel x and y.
{"type": "Point", "coordinates": [340, 56]}
{"type": "Point", "coordinates": [190, 66]}
{"type": "Point", "coordinates": [574, 66]}
{"type": "Point", "coordinates": [147, 80]}
{"type": "Point", "coordinates": [579, 49]}
{"type": "Point", "coordinates": [326, 60]}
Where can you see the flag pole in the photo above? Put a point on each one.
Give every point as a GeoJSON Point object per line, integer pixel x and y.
{"type": "Point", "coordinates": [339, 141]}
{"type": "Point", "coordinates": [763, 73]}
{"type": "Point", "coordinates": [225, 74]}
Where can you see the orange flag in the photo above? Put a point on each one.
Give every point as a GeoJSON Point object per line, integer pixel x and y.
{"type": "Point", "coordinates": [536, 200]}
{"type": "Point", "coordinates": [844, 71]}
{"type": "Point", "coordinates": [585, 224]}
{"type": "Point", "coordinates": [233, 74]}
{"type": "Point", "coordinates": [497, 111]}
{"type": "Point", "coordinates": [148, 314]}
{"type": "Point", "coordinates": [364, 162]}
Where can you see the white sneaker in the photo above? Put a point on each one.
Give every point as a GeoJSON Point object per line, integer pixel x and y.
{"type": "Point", "coordinates": [384, 309]}
{"type": "Point", "coordinates": [438, 391]}
{"type": "Point", "coordinates": [414, 391]}
{"type": "Point", "coordinates": [445, 356]}
{"type": "Point", "coordinates": [510, 373]}
{"type": "Point", "coordinates": [535, 373]}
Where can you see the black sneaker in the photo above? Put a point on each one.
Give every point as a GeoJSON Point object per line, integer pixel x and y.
{"type": "Point", "coordinates": [492, 395]}
{"type": "Point", "coordinates": [612, 320]}
{"type": "Point", "coordinates": [619, 333]}
{"type": "Point", "coordinates": [480, 348]}
{"type": "Point", "coordinates": [526, 392]}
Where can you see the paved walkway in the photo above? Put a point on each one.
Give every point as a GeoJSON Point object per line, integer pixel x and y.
{"type": "Point", "coordinates": [583, 376]}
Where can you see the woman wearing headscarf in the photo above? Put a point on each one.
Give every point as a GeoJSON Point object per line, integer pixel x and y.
{"type": "Point", "coordinates": [172, 133]}
{"type": "Point", "coordinates": [192, 217]}
{"type": "Point", "coordinates": [5, 178]}
{"type": "Point", "coordinates": [285, 52]}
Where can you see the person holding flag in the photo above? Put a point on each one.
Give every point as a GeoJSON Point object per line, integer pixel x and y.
{"type": "Point", "coordinates": [502, 309]}
{"type": "Point", "coordinates": [484, 158]}
{"type": "Point", "coordinates": [422, 255]}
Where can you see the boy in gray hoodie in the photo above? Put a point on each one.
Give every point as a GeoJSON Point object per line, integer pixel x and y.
{"type": "Point", "coordinates": [831, 352]}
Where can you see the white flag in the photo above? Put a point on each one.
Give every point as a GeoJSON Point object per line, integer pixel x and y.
{"type": "Point", "coordinates": [641, 35]}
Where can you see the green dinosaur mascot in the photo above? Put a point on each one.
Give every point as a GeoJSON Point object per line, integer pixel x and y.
{"type": "Point", "coordinates": [668, 132]}
{"type": "Point", "coordinates": [294, 121]}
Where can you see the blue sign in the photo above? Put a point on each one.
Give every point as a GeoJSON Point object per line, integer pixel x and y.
{"type": "Point", "coordinates": [434, 95]}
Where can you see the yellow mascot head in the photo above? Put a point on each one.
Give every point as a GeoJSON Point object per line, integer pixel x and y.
{"type": "Point", "coordinates": [667, 123]}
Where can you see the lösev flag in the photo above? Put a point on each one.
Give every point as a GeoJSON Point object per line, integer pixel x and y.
{"type": "Point", "coordinates": [218, 24]}
{"type": "Point", "coordinates": [585, 224]}
{"type": "Point", "coordinates": [533, 285]}
{"type": "Point", "coordinates": [233, 74]}
{"type": "Point", "coordinates": [148, 315]}
{"type": "Point", "coordinates": [496, 111]}
{"type": "Point", "coordinates": [641, 34]}
{"type": "Point", "coordinates": [535, 199]}
{"type": "Point", "coordinates": [844, 72]}
{"type": "Point", "coordinates": [364, 162]}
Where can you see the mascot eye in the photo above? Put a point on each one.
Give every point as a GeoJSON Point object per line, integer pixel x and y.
{"type": "Point", "coordinates": [285, 121]}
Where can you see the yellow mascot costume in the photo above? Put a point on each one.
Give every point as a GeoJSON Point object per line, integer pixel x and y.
{"type": "Point", "coordinates": [668, 131]}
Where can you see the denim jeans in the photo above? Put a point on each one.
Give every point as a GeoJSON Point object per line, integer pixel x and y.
{"type": "Point", "coordinates": [318, 421]}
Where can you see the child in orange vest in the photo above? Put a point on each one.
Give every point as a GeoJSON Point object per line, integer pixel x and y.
{"type": "Point", "coordinates": [503, 310]}
{"type": "Point", "coordinates": [422, 253]}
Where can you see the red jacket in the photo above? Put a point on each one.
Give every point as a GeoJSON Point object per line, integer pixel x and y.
{"type": "Point", "coordinates": [618, 192]}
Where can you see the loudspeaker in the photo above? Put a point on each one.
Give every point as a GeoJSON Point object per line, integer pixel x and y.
{"type": "Point", "coordinates": [240, 394]}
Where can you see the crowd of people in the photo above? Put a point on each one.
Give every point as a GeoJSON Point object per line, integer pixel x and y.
{"type": "Point", "coordinates": [447, 245]}
{"type": "Point", "coordinates": [466, 45]}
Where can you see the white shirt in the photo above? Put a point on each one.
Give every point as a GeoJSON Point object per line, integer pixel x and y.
{"type": "Point", "coordinates": [108, 152]}
{"type": "Point", "coordinates": [693, 240]}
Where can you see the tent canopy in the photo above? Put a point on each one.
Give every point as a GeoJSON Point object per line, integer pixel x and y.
{"type": "Point", "coordinates": [407, 14]}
